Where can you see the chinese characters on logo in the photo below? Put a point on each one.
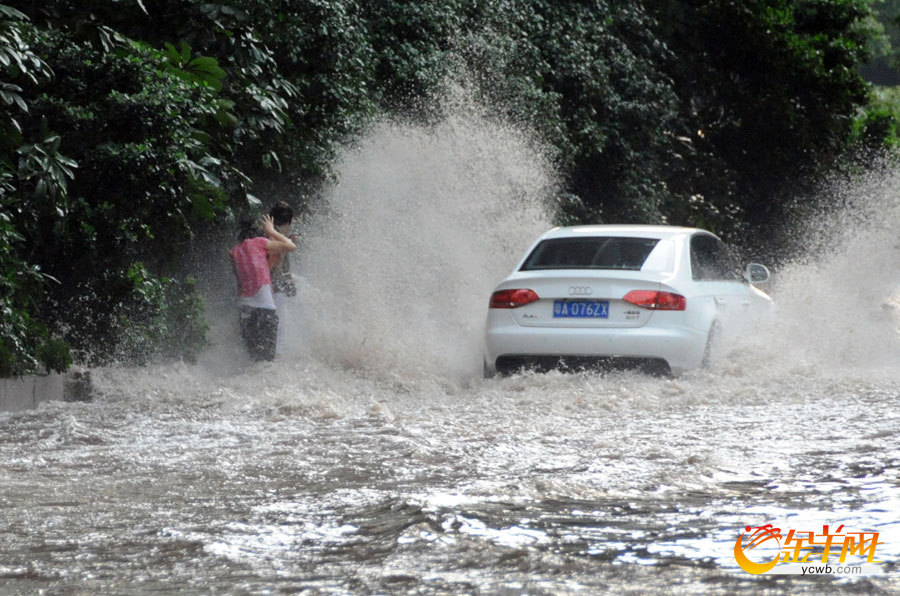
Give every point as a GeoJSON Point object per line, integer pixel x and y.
{"type": "Point", "coordinates": [804, 547]}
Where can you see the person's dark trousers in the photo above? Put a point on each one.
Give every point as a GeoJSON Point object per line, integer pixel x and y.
{"type": "Point", "coordinates": [259, 328]}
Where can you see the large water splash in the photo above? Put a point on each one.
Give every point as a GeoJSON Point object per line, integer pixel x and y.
{"type": "Point", "coordinates": [365, 460]}
{"type": "Point", "coordinates": [423, 221]}
{"type": "Point", "coordinates": [399, 257]}
{"type": "Point", "coordinates": [838, 300]}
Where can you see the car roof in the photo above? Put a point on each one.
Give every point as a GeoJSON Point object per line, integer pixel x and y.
{"type": "Point", "coordinates": [633, 230]}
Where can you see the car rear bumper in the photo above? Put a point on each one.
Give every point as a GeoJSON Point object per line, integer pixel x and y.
{"type": "Point", "coordinates": [507, 343]}
{"type": "Point", "coordinates": [510, 364]}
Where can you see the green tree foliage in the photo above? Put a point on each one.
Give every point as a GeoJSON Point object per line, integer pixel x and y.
{"type": "Point", "coordinates": [130, 126]}
{"type": "Point", "coordinates": [585, 75]}
{"type": "Point", "coordinates": [113, 166]}
{"type": "Point", "coordinates": [883, 28]}
{"type": "Point", "coordinates": [877, 130]}
{"type": "Point", "coordinates": [413, 45]}
{"type": "Point", "coordinates": [703, 112]}
{"type": "Point", "coordinates": [769, 94]}
{"type": "Point", "coordinates": [324, 50]}
{"type": "Point", "coordinates": [25, 344]}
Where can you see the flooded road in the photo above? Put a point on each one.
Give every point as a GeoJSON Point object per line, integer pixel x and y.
{"type": "Point", "coordinates": [536, 483]}
{"type": "Point", "coordinates": [373, 458]}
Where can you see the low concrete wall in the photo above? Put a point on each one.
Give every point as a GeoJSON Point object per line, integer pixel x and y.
{"type": "Point", "coordinates": [27, 392]}
{"type": "Point", "coordinates": [17, 394]}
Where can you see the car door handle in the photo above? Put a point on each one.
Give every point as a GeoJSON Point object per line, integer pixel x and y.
{"type": "Point", "coordinates": [721, 300]}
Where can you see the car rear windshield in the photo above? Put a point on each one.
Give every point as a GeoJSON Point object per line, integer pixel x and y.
{"type": "Point", "coordinates": [596, 252]}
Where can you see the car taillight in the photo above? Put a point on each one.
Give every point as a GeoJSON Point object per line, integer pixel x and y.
{"type": "Point", "coordinates": [512, 298]}
{"type": "Point", "coordinates": [656, 300]}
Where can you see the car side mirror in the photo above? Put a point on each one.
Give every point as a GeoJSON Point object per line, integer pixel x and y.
{"type": "Point", "coordinates": [756, 273]}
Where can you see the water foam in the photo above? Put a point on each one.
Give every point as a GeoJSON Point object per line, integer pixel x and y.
{"type": "Point", "coordinates": [400, 259]}
{"type": "Point", "coordinates": [838, 300]}
{"type": "Point", "coordinates": [361, 448]}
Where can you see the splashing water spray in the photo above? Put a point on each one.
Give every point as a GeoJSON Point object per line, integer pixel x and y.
{"type": "Point", "coordinates": [399, 261]}
{"type": "Point", "coordinates": [838, 300]}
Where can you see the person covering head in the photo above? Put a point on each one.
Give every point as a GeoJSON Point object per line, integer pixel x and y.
{"type": "Point", "coordinates": [283, 285]}
{"type": "Point", "coordinates": [249, 228]}
{"type": "Point", "coordinates": [282, 214]}
{"type": "Point", "coordinates": [252, 259]}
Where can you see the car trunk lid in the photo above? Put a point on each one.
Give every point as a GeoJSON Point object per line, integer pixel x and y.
{"type": "Point", "coordinates": [583, 301]}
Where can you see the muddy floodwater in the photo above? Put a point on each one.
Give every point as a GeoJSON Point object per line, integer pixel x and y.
{"type": "Point", "coordinates": [313, 480]}
{"type": "Point", "coordinates": [371, 457]}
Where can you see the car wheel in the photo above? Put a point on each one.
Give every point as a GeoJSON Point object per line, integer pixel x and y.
{"type": "Point", "coordinates": [712, 339]}
{"type": "Point", "coordinates": [487, 371]}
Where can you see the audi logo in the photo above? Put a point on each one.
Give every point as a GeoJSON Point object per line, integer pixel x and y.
{"type": "Point", "coordinates": [580, 290]}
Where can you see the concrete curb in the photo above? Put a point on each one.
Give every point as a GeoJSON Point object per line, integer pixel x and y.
{"type": "Point", "coordinates": [27, 392]}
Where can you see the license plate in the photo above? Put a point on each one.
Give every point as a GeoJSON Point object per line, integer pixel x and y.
{"type": "Point", "coordinates": [581, 309]}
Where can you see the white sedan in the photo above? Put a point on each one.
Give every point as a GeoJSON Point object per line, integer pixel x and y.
{"type": "Point", "coordinates": [652, 297]}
